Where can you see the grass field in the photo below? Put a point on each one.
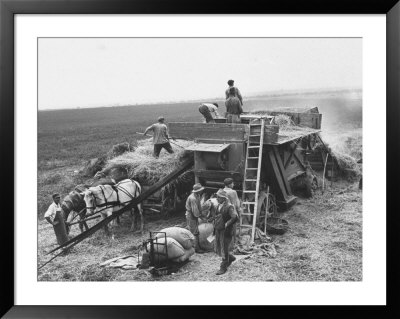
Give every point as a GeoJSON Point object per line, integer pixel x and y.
{"type": "Point", "coordinates": [324, 242]}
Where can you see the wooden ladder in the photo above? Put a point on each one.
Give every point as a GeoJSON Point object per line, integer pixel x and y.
{"type": "Point", "coordinates": [250, 192]}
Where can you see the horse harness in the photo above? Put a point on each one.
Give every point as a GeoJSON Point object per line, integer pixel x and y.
{"type": "Point", "coordinates": [117, 189]}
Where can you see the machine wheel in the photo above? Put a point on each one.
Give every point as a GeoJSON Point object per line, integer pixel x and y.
{"type": "Point", "coordinates": [314, 185]}
{"type": "Point", "coordinates": [311, 185]}
{"type": "Point", "coordinates": [267, 206]}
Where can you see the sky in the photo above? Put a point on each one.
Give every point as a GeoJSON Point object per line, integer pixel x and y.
{"type": "Point", "coordinates": [90, 72]}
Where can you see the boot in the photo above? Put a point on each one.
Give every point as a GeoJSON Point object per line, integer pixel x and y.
{"type": "Point", "coordinates": [231, 259]}
{"type": "Point", "coordinates": [197, 247]}
{"type": "Point", "coordinates": [221, 271]}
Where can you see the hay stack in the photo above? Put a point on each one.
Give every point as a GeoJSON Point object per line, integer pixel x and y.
{"type": "Point", "coordinates": [147, 170]}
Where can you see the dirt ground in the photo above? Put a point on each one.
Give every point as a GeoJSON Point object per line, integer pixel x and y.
{"type": "Point", "coordinates": [323, 243]}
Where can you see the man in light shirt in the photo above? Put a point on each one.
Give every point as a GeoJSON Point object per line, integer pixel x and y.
{"type": "Point", "coordinates": [232, 195]}
{"type": "Point", "coordinates": [160, 137]}
{"type": "Point", "coordinates": [193, 212]}
{"type": "Point", "coordinates": [55, 217]}
{"type": "Point", "coordinates": [209, 111]}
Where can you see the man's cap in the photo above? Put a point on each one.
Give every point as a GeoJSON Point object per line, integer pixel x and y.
{"type": "Point", "coordinates": [216, 104]}
{"type": "Point", "coordinates": [161, 118]}
{"type": "Point", "coordinates": [55, 195]}
{"type": "Point", "coordinates": [222, 193]}
{"type": "Point", "coordinates": [197, 188]}
{"type": "Point", "coordinates": [230, 82]}
{"type": "Point", "coordinates": [228, 181]}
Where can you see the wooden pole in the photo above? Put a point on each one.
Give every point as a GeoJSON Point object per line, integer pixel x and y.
{"type": "Point", "coordinates": [323, 176]}
{"type": "Point", "coordinates": [332, 171]}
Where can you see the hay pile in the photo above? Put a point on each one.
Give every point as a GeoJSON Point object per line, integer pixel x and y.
{"type": "Point", "coordinates": [147, 170]}
{"type": "Point", "coordinates": [291, 131]}
{"type": "Point", "coordinates": [283, 121]}
{"type": "Point", "coordinates": [346, 162]}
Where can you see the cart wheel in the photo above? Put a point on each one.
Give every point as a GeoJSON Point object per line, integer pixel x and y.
{"type": "Point", "coordinates": [167, 205]}
{"type": "Point", "coordinates": [311, 185]}
{"type": "Point", "coordinates": [314, 185]}
{"type": "Point", "coordinates": [268, 206]}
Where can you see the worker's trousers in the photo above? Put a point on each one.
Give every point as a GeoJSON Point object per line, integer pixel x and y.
{"type": "Point", "coordinates": [203, 109]}
{"type": "Point", "coordinates": [232, 118]}
{"type": "Point", "coordinates": [223, 240]}
{"type": "Point", "coordinates": [159, 147]}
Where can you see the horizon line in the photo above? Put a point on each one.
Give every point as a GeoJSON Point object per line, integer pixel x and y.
{"type": "Point", "coordinates": [250, 95]}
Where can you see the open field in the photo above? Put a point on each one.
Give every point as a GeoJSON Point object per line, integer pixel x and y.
{"type": "Point", "coordinates": [324, 242]}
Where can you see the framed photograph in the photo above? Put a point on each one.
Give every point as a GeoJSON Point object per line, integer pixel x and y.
{"type": "Point", "coordinates": [236, 155]}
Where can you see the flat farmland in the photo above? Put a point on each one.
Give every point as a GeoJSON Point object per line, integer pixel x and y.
{"type": "Point", "coordinates": [68, 137]}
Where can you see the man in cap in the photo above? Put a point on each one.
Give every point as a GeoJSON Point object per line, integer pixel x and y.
{"type": "Point", "coordinates": [233, 107]}
{"type": "Point", "coordinates": [193, 212]}
{"type": "Point", "coordinates": [224, 225]}
{"type": "Point", "coordinates": [54, 216]}
{"type": "Point", "coordinates": [209, 111]}
{"type": "Point", "coordinates": [160, 137]}
{"type": "Point", "coordinates": [236, 91]}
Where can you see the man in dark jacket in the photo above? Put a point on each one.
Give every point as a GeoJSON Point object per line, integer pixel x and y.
{"type": "Point", "coordinates": [224, 225]}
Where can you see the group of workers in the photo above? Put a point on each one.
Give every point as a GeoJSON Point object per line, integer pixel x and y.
{"type": "Point", "coordinates": [224, 218]}
{"type": "Point", "coordinates": [233, 103]}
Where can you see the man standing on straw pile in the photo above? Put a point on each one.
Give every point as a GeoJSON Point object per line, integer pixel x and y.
{"type": "Point", "coordinates": [160, 137]}
{"type": "Point", "coordinates": [209, 111]}
{"type": "Point", "coordinates": [55, 217]}
{"type": "Point", "coordinates": [233, 107]}
{"type": "Point", "coordinates": [224, 225]}
{"type": "Point", "coordinates": [236, 91]}
{"type": "Point", "coordinates": [193, 212]}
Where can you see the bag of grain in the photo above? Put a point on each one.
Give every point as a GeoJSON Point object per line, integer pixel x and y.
{"type": "Point", "coordinates": [185, 256]}
{"type": "Point", "coordinates": [181, 235]}
{"type": "Point", "coordinates": [205, 230]}
{"type": "Point", "coordinates": [174, 249]}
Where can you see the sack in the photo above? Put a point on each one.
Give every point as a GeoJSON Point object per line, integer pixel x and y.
{"type": "Point", "coordinates": [181, 235]}
{"type": "Point", "coordinates": [205, 230]}
{"type": "Point", "coordinates": [174, 249]}
{"type": "Point", "coordinates": [185, 256]}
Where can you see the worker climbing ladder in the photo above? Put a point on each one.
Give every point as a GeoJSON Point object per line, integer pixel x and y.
{"type": "Point", "coordinates": [252, 172]}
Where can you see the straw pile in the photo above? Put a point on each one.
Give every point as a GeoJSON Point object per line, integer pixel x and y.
{"type": "Point", "coordinates": [347, 163]}
{"type": "Point", "coordinates": [283, 121]}
{"type": "Point", "coordinates": [147, 170]}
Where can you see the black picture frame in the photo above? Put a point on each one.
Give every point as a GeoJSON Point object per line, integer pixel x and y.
{"type": "Point", "coordinates": [11, 7]}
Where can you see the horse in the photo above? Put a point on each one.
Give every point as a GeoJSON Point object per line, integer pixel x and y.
{"type": "Point", "coordinates": [109, 198]}
{"type": "Point", "coordinates": [74, 202]}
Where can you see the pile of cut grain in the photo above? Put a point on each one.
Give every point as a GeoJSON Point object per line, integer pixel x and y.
{"type": "Point", "coordinates": [283, 120]}
{"type": "Point", "coordinates": [147, 170]}
{"type": "Point", "coordinates": [347, 163]}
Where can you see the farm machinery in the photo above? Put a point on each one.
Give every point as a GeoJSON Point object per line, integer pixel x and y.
{"type": "Point", "coordinates": [265, 162]}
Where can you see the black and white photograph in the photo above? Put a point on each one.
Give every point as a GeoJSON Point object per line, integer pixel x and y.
{"type": "Point", "coordinates": [186, 159]}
